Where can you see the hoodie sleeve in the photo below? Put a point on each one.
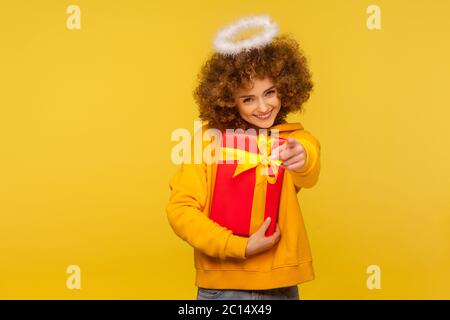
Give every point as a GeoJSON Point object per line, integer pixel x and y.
{"type": "Point", "coordinates": [307, 176]}
{"type": "Point", "coordinates": [185, 212]}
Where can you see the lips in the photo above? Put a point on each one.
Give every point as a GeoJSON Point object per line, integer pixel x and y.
{"type": "Point", "coordinates": [264, 116]}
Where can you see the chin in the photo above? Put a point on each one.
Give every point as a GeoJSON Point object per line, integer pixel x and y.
{"type": "Point", "coordinates": [266, 125]}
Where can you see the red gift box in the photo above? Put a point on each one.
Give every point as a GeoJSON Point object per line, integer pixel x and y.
{"type": "Point", "coordinates": [248, 183]}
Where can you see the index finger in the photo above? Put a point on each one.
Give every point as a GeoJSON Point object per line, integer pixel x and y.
{"type": "Point", "coordinates": [275, 153]}
{"type": "Point", "coordinates": [291, 143]}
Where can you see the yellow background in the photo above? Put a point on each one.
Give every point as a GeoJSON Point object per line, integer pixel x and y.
{"type": "Point", "coordinates": [86, 117]}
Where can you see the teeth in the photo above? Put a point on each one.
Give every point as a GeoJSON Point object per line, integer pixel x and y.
{"type": "Point", "coordinates": [264, 116]}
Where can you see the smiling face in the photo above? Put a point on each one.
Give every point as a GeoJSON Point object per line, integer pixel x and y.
{"type": "Point", "coordinates": [259, 105]}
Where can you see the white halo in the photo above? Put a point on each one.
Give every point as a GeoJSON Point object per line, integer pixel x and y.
{"type": "Point", "coordinates": [224, 44]}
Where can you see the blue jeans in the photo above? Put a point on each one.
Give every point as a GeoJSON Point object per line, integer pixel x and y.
{"type": "Point", "coordinates": [286, 293]}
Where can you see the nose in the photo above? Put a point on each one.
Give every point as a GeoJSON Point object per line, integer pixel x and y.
{"type": "Point", "coordinates": [263, 107]}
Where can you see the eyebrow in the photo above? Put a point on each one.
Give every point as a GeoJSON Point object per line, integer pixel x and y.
{"type": "Point", "coordinates": [253, 94]}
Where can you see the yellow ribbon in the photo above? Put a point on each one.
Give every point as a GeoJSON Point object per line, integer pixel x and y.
{"type": "Point", "coordinates": [248, 160]}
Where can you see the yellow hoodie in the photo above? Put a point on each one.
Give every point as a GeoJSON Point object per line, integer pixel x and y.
{"type": "Point", "coordinates": [219, 255]}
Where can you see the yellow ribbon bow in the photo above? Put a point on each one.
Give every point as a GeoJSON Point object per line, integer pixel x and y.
{"type": "Point", "coordinates": [248, 160]}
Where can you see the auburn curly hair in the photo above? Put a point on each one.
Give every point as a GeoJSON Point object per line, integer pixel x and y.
{"type": "Point", "coordinates": [281, 60]}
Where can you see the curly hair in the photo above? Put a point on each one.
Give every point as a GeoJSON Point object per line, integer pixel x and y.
{"type": "Point", "coordinates": [281, 60]}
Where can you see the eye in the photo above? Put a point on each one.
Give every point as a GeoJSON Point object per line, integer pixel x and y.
{"type": "Point", "coordinates": [270, 92]}
{"type": "Point", "coordinates": [247, 100]}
